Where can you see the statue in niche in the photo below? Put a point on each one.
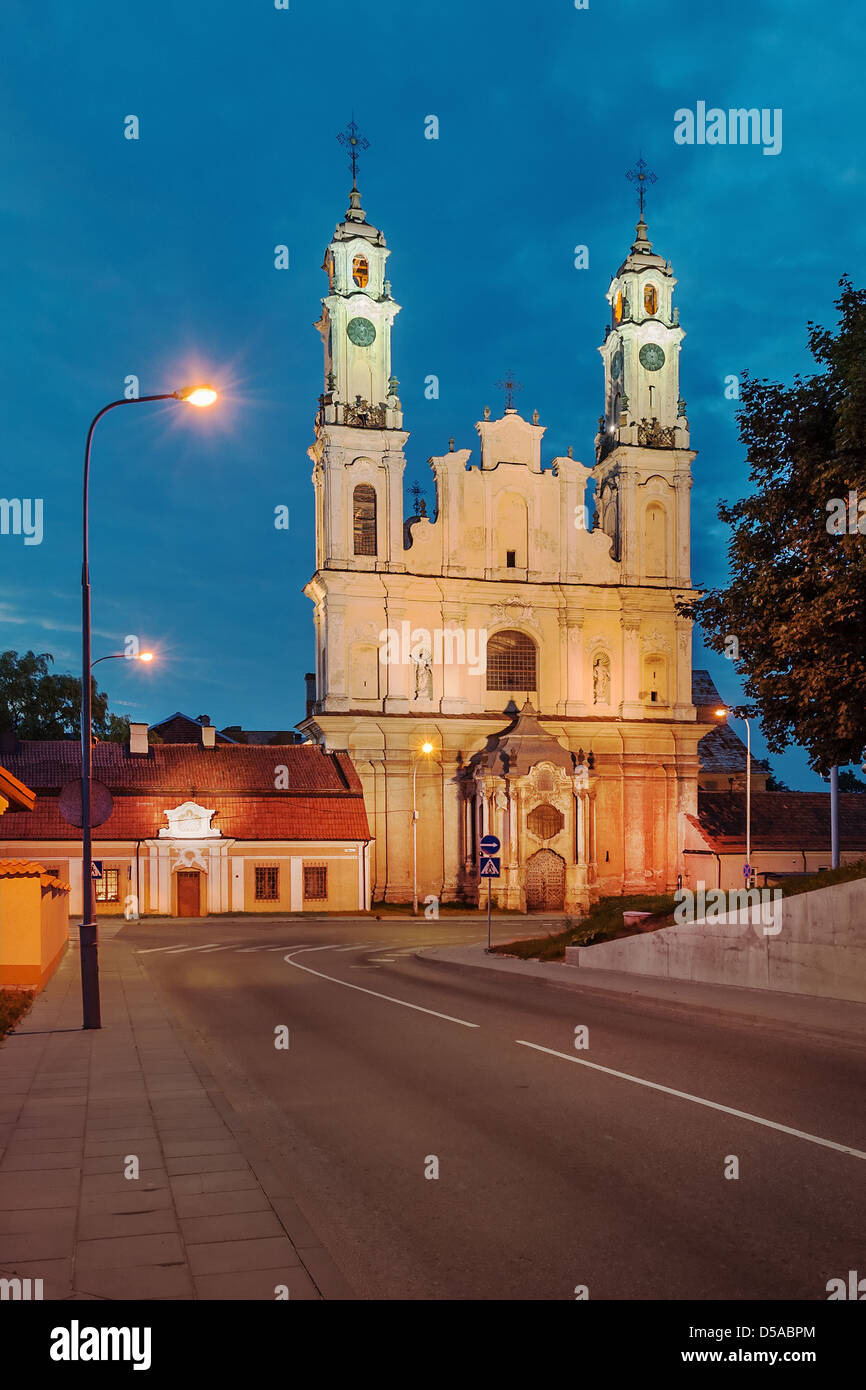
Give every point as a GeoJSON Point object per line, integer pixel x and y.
{"type": "Point", "coordinates": [601, 681]}
{"type": "Point", "coordinates": [500, 800]}
{"type": "Point", "coordinates": [421, 660]}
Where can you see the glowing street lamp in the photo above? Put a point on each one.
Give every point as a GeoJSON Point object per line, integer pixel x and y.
{"type": "Point", "coordinates": [122, 656]}
{"type": "Point", "coordinates": [425, 751]}
{"type": "Point", "coordinates": [197, 395]}
{"type": "Point", "coordinates": [201, 395]}
{"type": "Point", "coordinates": [722, 713]}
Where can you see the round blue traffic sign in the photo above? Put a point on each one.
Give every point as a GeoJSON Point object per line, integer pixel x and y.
{"type": "Point", "coordinates": [489, 844]}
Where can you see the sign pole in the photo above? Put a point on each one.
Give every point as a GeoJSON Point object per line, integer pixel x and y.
{"type": "Point", "coordinates": [488, 916]}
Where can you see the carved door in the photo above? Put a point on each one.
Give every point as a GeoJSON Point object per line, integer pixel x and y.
{"type": "Point", "coordinates": [545, 882]}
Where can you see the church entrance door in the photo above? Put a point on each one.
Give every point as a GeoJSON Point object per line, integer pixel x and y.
{"type": "Point", "coordinates": [545, 882]}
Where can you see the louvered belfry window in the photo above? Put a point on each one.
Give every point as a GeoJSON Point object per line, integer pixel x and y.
{"type": "Point", "coordinates": [511, 662]}
{"type": "Point", "coordinates": [364, 518]}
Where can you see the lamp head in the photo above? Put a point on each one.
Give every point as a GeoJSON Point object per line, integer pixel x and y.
{"type": "Point", "coordinates": [200, 396]}
{"type": "Point", "coordinates": [145, 656]}
{"type": "Point", "coordinates": [721, 713]}
{"type": "Point", "coordinates": [426, 747]}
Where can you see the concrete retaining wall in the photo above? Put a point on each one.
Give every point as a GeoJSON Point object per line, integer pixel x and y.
{"type": "Point", "coordinates": [819, 950]}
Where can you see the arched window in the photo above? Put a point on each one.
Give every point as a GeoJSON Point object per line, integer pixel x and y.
{"type": "Point", "coordinates": [364, 519]}
{"type": "Point", "coordinates": [650, 299]}
{"type": "Point", "coordinates": [360, 272]}
{"type": "Point", "coordinates": [511, 662]}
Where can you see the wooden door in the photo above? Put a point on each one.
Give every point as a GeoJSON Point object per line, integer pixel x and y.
{"type": "Point", "coordinates": [545, 882]}
{"type": "Point", "coordinates": [188, 893]}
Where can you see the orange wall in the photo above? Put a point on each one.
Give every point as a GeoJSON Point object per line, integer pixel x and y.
{"type": "Point", "coordinates": [34, 926]}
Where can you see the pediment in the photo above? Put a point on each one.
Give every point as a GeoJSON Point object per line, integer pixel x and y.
{"type": "Point", "coordinates": [189, 821]}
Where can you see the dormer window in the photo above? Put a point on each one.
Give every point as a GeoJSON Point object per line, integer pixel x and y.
{"type": "Point", "coordinates": [360, 272]}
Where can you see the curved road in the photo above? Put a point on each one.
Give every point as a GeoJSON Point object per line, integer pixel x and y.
{"type": "Point", "coordinates": [557, 1167]}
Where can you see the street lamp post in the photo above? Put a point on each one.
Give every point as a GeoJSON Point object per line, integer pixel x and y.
{"type": "Point", "coordinates": [722, 714]}
{"type": "Point", "coordinates": [89, 950]}
{"type": "Point", "coordinates": [426, 750]}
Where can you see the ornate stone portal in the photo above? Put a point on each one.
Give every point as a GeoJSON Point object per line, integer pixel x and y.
{"type": "Point", "coordinates": [537, 797]}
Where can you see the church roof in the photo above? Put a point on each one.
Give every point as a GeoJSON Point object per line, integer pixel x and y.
{"type": "Point", "coordinates": [722, 750]}
{"type": "Point", "coordinates": [523, 744]}
{"type": "Point", "coordinates": [355, 223]}
{"type": "Point", "coordinates": [641, 256]}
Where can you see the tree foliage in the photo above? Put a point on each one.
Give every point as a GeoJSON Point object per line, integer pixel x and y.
{"type": "Point", "coordinates": [40, 703]}
{"type": "Point", "coordinates": [796, 600]}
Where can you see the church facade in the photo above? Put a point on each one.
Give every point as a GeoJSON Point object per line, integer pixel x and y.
{"type": "Point", "coordinates": [505, 666]}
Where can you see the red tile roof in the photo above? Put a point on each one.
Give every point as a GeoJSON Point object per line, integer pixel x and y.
{"type": "Point", "coordinates": [15, 792]}
{"type": "Point", "coordinates": [780, 820]}
{"type": "Point", "coordinates": [28, 868]}
{"type": "Point", "coordinates": [323, 801]}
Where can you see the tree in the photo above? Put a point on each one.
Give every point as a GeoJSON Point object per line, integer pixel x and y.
{"type": "Point", "coordinates": [796, 600]}
{"type": "Point", "coordinates": [850, 782]}
{"type": "Point", "coordinates": [38, 703]}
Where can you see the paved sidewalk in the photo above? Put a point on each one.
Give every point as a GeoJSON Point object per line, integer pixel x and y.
{"type": "Point", "coordinates": [208, 1217]}
{"type": "Point", "coordinates": [803, 1012]}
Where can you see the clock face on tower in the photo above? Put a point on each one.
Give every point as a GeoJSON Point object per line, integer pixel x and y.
{"type": "Point", "coordinates": [361, 332]}
{"type": "Point", "coordinates": [652, 357]}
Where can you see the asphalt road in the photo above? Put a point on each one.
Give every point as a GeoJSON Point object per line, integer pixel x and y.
{"type": "Point", "coordinates": [557, 1168]}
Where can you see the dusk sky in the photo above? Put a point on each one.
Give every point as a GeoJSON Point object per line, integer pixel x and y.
{"type": "Point", "coordinates": [155, 257]}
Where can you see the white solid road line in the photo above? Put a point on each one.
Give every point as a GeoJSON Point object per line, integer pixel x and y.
{"type": "Point", "coordinates": [698, 1100]}
{"type": "Point", "coordinates": [376, 995]}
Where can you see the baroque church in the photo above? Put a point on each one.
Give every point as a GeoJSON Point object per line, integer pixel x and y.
{"type": "Point", "coordinates": [504, 666]}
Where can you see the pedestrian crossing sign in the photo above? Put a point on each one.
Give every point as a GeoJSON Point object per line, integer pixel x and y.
{"type": "Point", "coordinates": [490, 866]}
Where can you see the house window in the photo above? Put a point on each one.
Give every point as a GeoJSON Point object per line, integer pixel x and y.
{"type": "Point", "coordinates": [511, 559]}
{"type": "Point", "coordinates": [315, 883]}
{"type": "Point", "coordinates": [360, 272]}
{"type": "Point", "coordinates": [364, 519]}
{"type": "Point", "coordinates": [107, 889]}
{"type": "Point", "coordinates": [267, 884]}
{"type": "Point", "coordinates": [511, 662]}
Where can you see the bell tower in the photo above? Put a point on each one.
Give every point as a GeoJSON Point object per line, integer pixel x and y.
{"type": "Point", "coordinates": [642, 447]}
{"type": "Point", "coordinates": [358, 459]}
{"type": "Point", "coordinates": [357, 315]}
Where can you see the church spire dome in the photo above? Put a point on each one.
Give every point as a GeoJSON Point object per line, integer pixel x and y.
{"type": "Point", "coordinates": [357, 316]}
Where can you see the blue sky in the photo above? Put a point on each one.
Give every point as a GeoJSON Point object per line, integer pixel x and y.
{"type": "Point", "coordinates": [155, 258]}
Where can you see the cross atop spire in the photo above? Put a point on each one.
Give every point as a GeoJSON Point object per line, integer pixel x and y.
{"type": "Point", "coordinates": [642, 175]}
{"type": "Point", "coordinates": [353, 142]}
{"type": "Point", "coordinates": [509, 386]}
